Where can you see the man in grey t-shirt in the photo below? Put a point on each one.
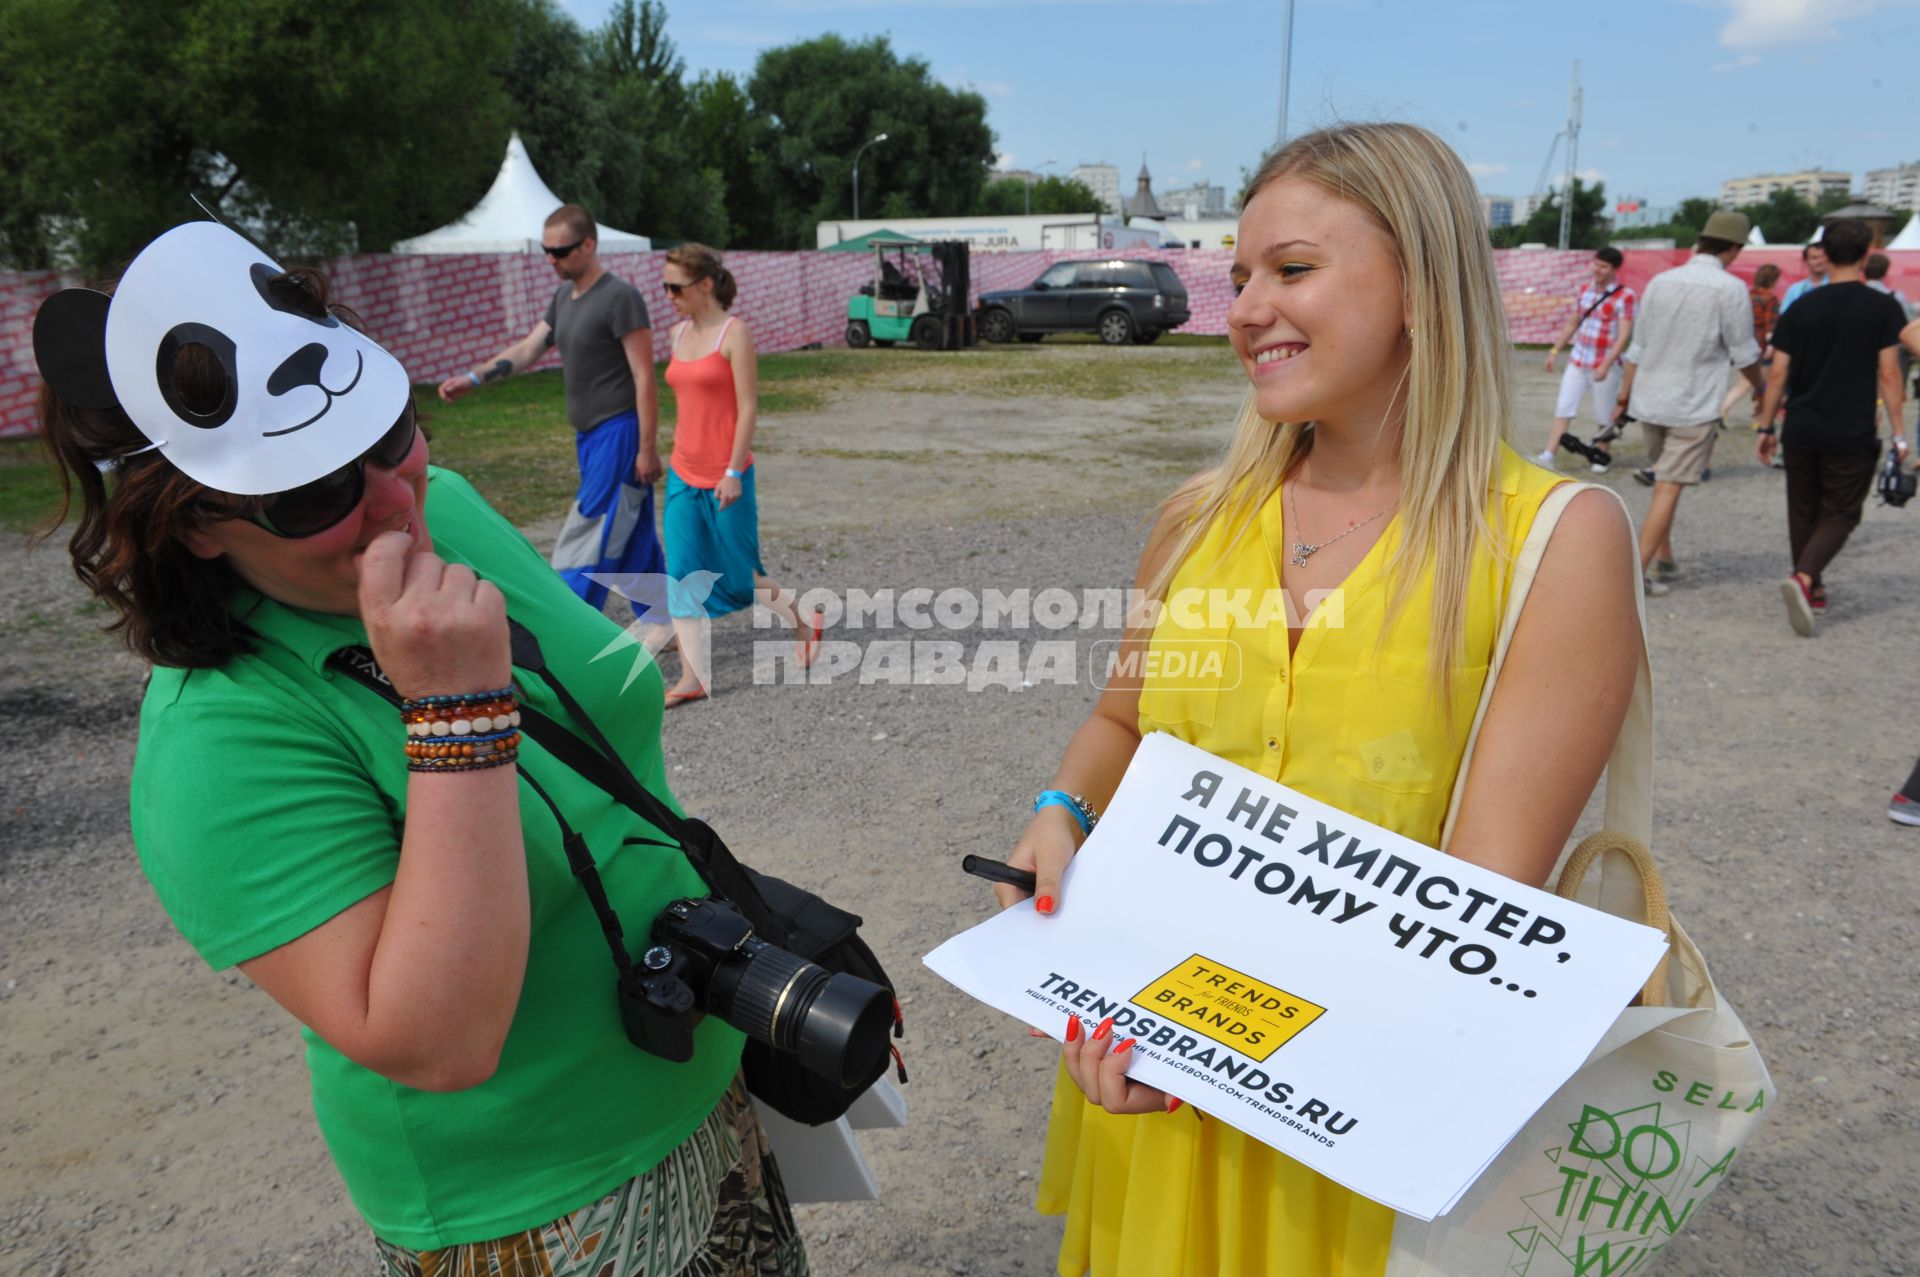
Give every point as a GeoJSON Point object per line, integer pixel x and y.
{"type": "Point", "coordinates": [599, 323]}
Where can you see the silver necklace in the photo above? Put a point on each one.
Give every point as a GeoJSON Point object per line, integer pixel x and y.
{"type": "Point", "coordinates": [1302, 550]}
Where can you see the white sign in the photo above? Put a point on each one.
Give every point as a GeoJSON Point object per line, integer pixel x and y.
{"type": "Point", "coordinates": [1385, 1013]}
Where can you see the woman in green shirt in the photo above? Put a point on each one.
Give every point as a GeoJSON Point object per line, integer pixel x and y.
{"type": "Point", "coordinates": [255, 497]}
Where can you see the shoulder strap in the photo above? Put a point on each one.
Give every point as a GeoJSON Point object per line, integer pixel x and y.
{"type": "Point", "coordinates": [1585, 314]}
{"type": "Point", "coordinates": [1629, 801]}
{"type": "Point", "coordinates": [721, 340]}
{"type": "Point", "coordinates": [358, 664]}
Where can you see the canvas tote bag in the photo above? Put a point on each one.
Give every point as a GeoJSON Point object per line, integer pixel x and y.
{"type": "Point", "coordinates": [1625, 1153]}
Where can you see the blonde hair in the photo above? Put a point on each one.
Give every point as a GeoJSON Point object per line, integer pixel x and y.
{"type": "Point", "coordinates": [1455, 386]}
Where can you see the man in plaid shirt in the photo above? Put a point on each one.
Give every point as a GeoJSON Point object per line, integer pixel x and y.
{"type": "Point", "coordinates": [1600, 327]}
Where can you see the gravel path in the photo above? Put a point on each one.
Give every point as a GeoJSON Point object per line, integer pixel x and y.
{"type": "Point", "coordinates": [153, 1115]}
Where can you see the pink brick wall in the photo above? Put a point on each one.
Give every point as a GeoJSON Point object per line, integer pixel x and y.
{"type": "Point", "coordinates": [439, 315]}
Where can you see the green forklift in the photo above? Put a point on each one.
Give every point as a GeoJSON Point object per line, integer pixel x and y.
{"type": "Point", "coordinates": [920, 292]}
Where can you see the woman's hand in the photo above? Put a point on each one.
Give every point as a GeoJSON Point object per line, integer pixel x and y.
{"type": "Point", "coordinates": [435, 627]}
{"type": "Point", "coordinates": [1098, 1066]}
{"type": "Point", "coordinates": [1050, 840]}
{"type": "Point", "coordinates": [727, 491]}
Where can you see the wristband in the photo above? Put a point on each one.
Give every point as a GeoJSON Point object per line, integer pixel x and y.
{"type": "Point", "coordinates": [735, 474]}
{"type": "Point", "coordinates": [1763, 430]}
{"type": "Point", "coordinates": [473, 377]}
{"type": "Point", "coordinates": [1079, 808]}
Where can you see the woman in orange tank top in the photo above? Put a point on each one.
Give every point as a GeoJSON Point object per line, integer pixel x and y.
{"type": "Point", "coordinates": [1370, 475]}
{"type": "Point", "coordinates": [712, 517]}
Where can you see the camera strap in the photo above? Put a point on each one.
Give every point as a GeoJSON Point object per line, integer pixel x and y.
{"type": "Point", "coordinates": [601, 766]}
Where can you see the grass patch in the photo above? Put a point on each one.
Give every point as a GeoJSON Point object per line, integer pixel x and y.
{"type": "Point", "coordinates": [29, 484]}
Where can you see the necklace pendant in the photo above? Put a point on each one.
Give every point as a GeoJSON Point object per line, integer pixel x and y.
{"type": "Point", "coordinates": [1301, 553]}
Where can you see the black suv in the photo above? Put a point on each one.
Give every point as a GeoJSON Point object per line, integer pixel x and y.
{"type": "Point", "coordinates": [1122, 301]}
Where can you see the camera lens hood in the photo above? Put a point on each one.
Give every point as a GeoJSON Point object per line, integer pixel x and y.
{"type": "Point", "coordinates": [843, 1035]}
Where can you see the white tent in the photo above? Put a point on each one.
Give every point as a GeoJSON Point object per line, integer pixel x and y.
{"type": "Point", "coordinates": [1909, 237]}
{"type": "Point", "coordinates": [508, 219]}
{"type": "Point", "coordinates": [1755, 239]}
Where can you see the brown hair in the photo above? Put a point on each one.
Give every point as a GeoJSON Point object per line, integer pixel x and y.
{"type": "Point", "coordinates": [702, 262]}
{"type": "Point", "coordinates": [1713, 246]}
{"type": "Point", "coordinates": [1877, 266]}
{"type": "Point", "coordinates": [1767, 276]}
{"type": "Point", "coordinates": [126, 549]}
{"type": "Point", "coordinates": [575, 219]}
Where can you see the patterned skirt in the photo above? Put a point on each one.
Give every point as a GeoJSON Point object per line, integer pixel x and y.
{"type": "Point", "coordinates": [714, 1208]}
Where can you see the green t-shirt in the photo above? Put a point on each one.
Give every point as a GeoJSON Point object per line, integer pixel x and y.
{"type": "Point", "coordinates": [269, 795]}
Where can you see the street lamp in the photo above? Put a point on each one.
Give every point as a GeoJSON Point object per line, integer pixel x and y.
{"type": "Point", "coordinates": [1030, 172]}
{"type": "Point", "coordinates": [877, 137]}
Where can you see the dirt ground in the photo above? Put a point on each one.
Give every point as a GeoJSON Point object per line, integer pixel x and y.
{"type": "Point", "coordinates": [154, 1117]}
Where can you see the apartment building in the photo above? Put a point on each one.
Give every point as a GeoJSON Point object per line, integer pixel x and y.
{"type": "Point", "coordinates": [1809, 184]}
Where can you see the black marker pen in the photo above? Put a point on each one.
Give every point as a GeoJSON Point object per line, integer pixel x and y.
{"type": "Point", "coordinates": [998, 871]}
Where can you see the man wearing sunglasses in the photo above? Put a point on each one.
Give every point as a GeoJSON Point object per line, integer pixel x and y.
{"type": "Point", "coordinates": [599, 323]}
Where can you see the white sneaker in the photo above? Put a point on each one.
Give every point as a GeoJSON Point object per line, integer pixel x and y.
{"type": "Point", "coordinates": [1655, 589]}
{"type": "Point", "coordinates": [1545, 458]}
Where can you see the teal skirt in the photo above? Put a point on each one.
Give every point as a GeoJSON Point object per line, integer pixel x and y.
{"type": "Point", "coordinates": [713, 555]}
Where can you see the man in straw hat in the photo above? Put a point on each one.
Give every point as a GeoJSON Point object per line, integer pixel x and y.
{"type": "Point", "coordinates": [1694, 320]}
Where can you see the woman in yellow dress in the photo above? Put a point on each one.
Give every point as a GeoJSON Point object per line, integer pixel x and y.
{"type": "Point", "coordinates": [1370, 483]}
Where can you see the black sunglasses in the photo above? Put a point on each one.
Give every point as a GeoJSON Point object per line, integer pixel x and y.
{"type": "Point", "coordinates": [556, 252]}
{"type": "Point", "coordinates": [674, 289]}
{"type": "Point", "coordinates": [312, 508]}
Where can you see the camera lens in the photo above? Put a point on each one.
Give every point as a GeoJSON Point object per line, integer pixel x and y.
{"type": "Point", "coordinates": [836, 1024]}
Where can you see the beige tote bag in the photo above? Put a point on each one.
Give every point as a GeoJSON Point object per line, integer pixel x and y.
{"type": "Point", "coordinates": [1624, 1154]}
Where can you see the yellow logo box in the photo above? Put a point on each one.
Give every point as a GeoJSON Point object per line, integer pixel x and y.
{"type": "Point", "coordinates": [1254, 1017]}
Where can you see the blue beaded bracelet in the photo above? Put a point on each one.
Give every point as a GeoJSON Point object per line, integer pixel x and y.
{"type": "Point", "coordinates": [469, 698]}
{"type": "Point", "coordinates": [1082, 811]}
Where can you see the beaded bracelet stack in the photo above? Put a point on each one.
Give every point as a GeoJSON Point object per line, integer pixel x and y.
{"type": "Point", "coordinates": [462, 733]}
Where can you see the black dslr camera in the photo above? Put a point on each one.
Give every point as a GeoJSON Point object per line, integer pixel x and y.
{"type": "Point", "coordinates": [706, 959]}
{"type": "Point", "coordinates": [1897, 483]}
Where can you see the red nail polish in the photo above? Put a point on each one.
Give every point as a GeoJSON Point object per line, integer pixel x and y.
{"type": "Point", "coordinates": [1073, 1028]}
{"type": "Point", "coordinates": [1173, 1103]}
{"type": "Point", "coordinates": [1044, 904]}
{"type": "Point", "coordinates": [1118, 1047]}
{"type": "Point", "coordinates": [1106, 1027]}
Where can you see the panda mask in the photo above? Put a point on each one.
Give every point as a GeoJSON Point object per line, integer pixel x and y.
{"type": "Point", "coordinates": [304, 395]}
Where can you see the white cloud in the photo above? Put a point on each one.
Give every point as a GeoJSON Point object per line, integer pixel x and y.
{"type": "Point", "coordinates": [1760, 23]}
{"type": "Point", "coordinates": [1004, 159]}
{"type": "Point", "coordinates": [1739, 63]}
{"type": "Point", "coordinates": [1195, 165]}
{"type": "Point", "coordinates": [1591, 175]}
{"type": "Point", "coordinates": [961, 79]}
{"type": "Point", "coordinates": [1481, 169]}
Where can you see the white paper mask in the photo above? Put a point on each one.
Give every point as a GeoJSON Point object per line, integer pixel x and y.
{"type": "Point", "coordinates": [305, 394]}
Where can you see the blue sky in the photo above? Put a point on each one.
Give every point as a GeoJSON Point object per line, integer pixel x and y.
{"type": "Point", "coordinates": [1680, 94]}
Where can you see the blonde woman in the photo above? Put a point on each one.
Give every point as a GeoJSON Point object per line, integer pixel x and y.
{"type": "Point", "coordinates": [1371, 461]}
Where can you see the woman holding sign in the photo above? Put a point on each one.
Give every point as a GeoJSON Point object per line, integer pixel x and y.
{"type": "Point", "coordinates": [1371, 483]}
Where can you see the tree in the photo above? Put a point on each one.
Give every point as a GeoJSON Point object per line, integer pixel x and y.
{"type": "Point", "coordinates": [728, 140]}
{"type": "Point", "coordinates": [1589, 228]}
{"type": "Point", "coordinates": [820, 100]}
{"type": "Point", "coordinates": [1784, 217]}
{"type": "Point", "coordinates": [651, 177]}
{"type": "Point", "coordinates": [316, 128]}
{"type": "Point", "coordinates": [1688, 219]}
{"type": "Point", "coordinates": [1009, 196]}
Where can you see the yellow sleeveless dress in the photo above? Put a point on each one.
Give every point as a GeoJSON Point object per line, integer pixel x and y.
{"type": "Point", "coordinates": [1348, 718]}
